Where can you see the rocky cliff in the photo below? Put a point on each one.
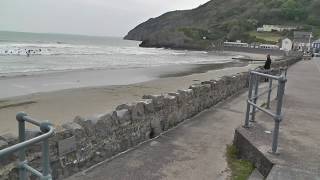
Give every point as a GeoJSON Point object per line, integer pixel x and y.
{"type": "Point", "coordinates": [218, 20]}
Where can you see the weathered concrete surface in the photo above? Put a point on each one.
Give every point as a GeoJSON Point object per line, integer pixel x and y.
{"type": "Point", "coordinates": [194, 150]}
{"type": "Point", "coordinates": [299, 139]}
{"type": "Point", "coordinates": [256, 175]}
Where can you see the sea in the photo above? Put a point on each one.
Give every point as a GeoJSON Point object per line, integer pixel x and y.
{"type": "Point", "coordinates": [27, 53]}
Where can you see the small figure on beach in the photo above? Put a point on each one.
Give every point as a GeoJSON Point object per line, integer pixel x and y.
{"type": "Point", "coordinates": [267, 64]}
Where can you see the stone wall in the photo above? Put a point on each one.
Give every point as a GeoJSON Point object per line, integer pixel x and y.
{"type": "Point", "coordinates": [84, 142]}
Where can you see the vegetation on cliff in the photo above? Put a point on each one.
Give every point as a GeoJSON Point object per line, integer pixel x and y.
{"type": "Point", "coordinates": [220, 20]}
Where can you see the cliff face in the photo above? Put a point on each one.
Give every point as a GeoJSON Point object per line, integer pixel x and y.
{"type": "Point", "coordinates": [218, 20]}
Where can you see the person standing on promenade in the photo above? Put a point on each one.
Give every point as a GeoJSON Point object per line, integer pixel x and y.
{"type": "Point", "coordinates": [267, 64]}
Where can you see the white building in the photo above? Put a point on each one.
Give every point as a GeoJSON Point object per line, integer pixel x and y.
{"type": "Point", "coordinates": [302, 41]}
{"type": "Point", "coordinates": [269, 46]}
{"type": "Point", "coordinates": [286, 44]}
{"type": "Point", "coordinates": [280, 28]}
{"type": "Point", "coordinates": [316, 46]}
{"type": "Point", "coordinates": [235, 44]}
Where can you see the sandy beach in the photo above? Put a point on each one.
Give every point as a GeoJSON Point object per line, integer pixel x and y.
{"type": "Point", "coordinates": [54, 97]}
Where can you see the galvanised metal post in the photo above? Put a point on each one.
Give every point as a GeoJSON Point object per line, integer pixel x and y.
{"type": "Point", "coordinates": [22, 138]}
{"type": "Point", "coordinates": [246, 124]}
{"type": "Point", "coordinates": [286, 72]}
{"type": "Point", "coordinates": [278, 118]}
{"type": "Point", "coordinates": [269, 93]}
{"type": "Point", "coordinates": [255, 98]}
{"type": "Point", "coordinates": [44, 127]}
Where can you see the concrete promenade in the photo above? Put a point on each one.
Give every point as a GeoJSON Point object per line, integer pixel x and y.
{"type": "Point", "coordinates": [299, 141]}
{"type": "Point", "coordinates": [196, 148]}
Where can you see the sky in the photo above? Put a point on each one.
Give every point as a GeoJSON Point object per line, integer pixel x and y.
{"type": "Point", "coordinates": [88, 17]}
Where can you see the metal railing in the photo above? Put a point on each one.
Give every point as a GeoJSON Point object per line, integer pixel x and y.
{"type": "Point", "coordinates": [253, 96]}
{"type": "Point", "coordinates": [47, 130]}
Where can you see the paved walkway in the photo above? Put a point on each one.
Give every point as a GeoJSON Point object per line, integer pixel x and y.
{"type": "Point", "coordinates": [196, 149]}
{"type": "Point", "coordinates": [299, 139]}
{"type": "Point", "coordinates": [193, 150]}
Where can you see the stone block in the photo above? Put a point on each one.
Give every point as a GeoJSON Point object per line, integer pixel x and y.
{"type": "Point", "coordinates": [148, 105]}
{"type": "Point", "coordinates": [124, 116]}
{"type": "Point", "coordinates": [3, 144]}
{"type": "Point", "coordinates": [9, 138]}
{"type": "Point", "coordinates": [75, 129]}
{"type": "Point", "coordinates": [138, 112]}
{"type": "Point", "coordinates": [87, 124]}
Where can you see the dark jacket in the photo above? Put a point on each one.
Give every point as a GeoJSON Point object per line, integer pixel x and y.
{"type": "Point", "coordinates": [267, 65]}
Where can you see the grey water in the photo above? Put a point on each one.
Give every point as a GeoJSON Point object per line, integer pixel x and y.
{"type": "Point", "coordinates": [27, 53]}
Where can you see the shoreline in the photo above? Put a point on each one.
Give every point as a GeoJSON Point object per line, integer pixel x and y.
{"type": "Point", "coordinates": [81, 93]}
{"type": "Point", "coordinates": [55, 81]}
{"type": "Point", "coordinates": [64, 105]}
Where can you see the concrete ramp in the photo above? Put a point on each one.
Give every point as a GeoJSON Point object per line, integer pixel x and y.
{"type": "Point", "coordinates": [287, 173]}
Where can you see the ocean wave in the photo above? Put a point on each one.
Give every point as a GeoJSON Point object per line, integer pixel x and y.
{"type": "Point", "coordinates": [54, 49]}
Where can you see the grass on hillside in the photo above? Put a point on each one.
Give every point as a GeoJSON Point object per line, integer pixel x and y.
{"type": "Point", "coordinates": [240, 169]}
{"type": "Point", "coordinates": [267, 36]}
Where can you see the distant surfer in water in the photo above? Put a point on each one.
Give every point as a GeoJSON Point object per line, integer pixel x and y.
{"type": "Point", "coordinates": [28, 53]}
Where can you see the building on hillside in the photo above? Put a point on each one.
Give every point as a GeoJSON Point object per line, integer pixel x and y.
{"type": "Point", "coordinates": [316, 46]}
{"type": "Point", "coordinates": [286, 45]}
{"type": "Point", "coordinates": [255, 45]}
{"type": "Point", "coordinates": [279, 28]}
{"type": "Point", "coordinates": [302, 41]}
{"type": "Point", "coordinates": [269, 46]}
{"type": "Point", "coordinates": [235, 44]}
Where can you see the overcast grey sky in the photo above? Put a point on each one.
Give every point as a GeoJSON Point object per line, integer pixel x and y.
{"type": "Point", "coordinates": [91, 17]}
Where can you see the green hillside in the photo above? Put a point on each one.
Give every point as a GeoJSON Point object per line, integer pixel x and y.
{"type": "Point", "coordinates": [220, 20]}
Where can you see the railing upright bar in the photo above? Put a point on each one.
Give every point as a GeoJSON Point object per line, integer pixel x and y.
{"type": "Point", "coordinates": [256, 90]}
{"type": "Point", "coordinates": [278, 117]}
{"type": "Point", "coordinates": [45, 160]}
{"type": "Point", "coordinates": [246, 125]}
{"type": "Point", "coordinates": [22, 153]}
{"type": "Point", "coordinates": [269, 93]}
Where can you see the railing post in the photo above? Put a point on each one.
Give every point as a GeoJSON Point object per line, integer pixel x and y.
{"type": "Point", "coordinates": [255, 99]}
{"type": "Point", "coordinates": [269, 93]}
{"type": "Point", "coordinates": [22, 138]}
{"type": "Point", "coordinates": [278, 118]}
{"type": "Point", "coordinates": [44, 127]}
{"type": "Point", "coordinates": [246, 125]}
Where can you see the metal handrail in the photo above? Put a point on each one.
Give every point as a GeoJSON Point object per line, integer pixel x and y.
{"type": "Point", "coordinates": [253, 96]}
{"type": "Point", "coordinates": [47, 130]}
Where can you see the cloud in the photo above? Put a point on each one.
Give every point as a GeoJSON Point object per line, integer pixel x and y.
{"type": "Point", "coordinates": [93, 17]}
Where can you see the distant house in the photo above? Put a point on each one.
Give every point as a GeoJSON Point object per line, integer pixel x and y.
{"type": "Point", "coordinates": [269, 46]}
{"type": "Point", "coordinates": [316, 46]}
{"type": "Point", "coordinates": [235, 44]}
{"type": "Point", "coordinates": [279, 28]}
{"type": "Point", "coordinates": [255, 45]}
{"type": "Point", "coordinates": [286, 44]}
{"type": "Point", "coordinates": [302, 41]}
